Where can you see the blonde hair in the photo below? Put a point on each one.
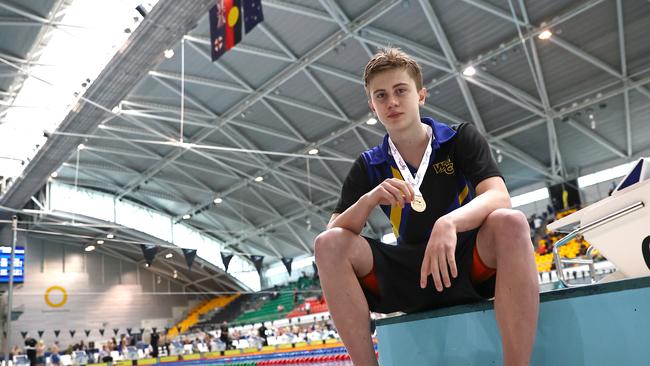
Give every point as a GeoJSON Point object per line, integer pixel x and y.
{"type": "Point", "coordinates": [392, 58]}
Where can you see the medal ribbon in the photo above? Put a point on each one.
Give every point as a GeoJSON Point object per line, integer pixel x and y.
{"type": "Point", "coordinates": [414, 181]}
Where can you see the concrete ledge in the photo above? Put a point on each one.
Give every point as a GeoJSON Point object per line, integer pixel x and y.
{"type": "Point", "coordinates": [603, 324]}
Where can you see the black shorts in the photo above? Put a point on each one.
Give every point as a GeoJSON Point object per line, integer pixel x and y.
{"type": "Point", "coordinates": [397, 272]}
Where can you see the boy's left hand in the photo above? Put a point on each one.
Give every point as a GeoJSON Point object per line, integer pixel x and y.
{"type": "Point", "coordinates": [439, 257]}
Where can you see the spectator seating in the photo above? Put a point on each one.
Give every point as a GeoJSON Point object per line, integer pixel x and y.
{"type": "Point", "coordinates": [203, 308]}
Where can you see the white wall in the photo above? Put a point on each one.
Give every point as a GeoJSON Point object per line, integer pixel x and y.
{"type": "Point", "coordinates": [103, 292]}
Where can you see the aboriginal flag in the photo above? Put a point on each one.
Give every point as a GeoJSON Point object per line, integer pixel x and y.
{"type": "Point", "coordinates": [229, 21]}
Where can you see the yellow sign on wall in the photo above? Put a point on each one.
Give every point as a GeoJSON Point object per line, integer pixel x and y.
{"type": "Point", "coordinates": [52, 304]}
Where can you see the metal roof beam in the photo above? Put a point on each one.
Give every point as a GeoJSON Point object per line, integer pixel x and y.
{"type": "Point", "coordinates": [341, 19]}
{"type": "Point", "coordinates": [507, 97]}
{"type": "Point", "coordinates": [297, 9]}
{"type": "Point", "coordinates": [594, 61]}
{"type": "Point", "coordinates": [24, 12]}
{"type": "Point", "coordinates": [516, 92]}
{"type": "Point", "coordinates": [319, 50]}
{"type": "Point", "coordinates": [557, 165]}
{"type": "Point", "coordinates": [198, 81]}
{"type": "Point", "coordinates": [626, 97]}
{"type": "Point", "coordinates": [291, 216]}
{"type": "Point", "coordinates": [444, 44]}
{"type": "Point", "coordinates": [287, 225]}
{"type": "Point", "coordinates": [596, 137]}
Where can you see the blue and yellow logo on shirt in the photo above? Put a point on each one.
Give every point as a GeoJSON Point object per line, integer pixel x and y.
{"type": "Point", "coordinates": [445, 166]}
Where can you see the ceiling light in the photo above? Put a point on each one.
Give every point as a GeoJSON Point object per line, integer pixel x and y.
{"type": "Point", "coordinates": [469, 71]}
{"type": "Point", "coordinates": [187, 216]}
{"type": "Point", "coordinates": [371, 121]}
{"type": "Point", "coordinates": [175, 275]}
{"type": "Point", "coordinates": [168, 255]}
{"type": "Point", "coordinates": [89, 248]}
{"type": "Point", "coordinates": [259, 179]}
{"type": "Point", "coordinates": [54, 174]}
{"type": "Point", "coordinates": [110, 236]}
{"type": "Point", "coordinates": [546, 34]}
{"type": "Point", "coordinates": [313, 151]}
{"type": "Point", "coordinates": [169, 53]}
{"type": "Point", "coordinates": [116, 109]}
{"type": "Point", "coordinates": [100, 242]}
{"type": "Point", "coordinates": [81, 147]}
{"type": "Point", "coordinates": [218, 200]}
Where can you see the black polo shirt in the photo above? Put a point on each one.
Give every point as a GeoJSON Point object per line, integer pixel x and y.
{"type": "Point", "coordinates": [460, 160]}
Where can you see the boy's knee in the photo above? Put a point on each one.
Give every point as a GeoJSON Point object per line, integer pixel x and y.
{"type": "Point", "coordinates": [508, 222]}
{"type": "Point", "coordinates": [330, 244]}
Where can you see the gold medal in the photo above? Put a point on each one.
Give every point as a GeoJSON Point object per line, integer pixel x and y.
{"type": "Point", "coordinates": [419, 204]}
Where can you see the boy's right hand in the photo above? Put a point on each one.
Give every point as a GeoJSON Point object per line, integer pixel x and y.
{"type": "Point", "coordinates": [392, 191]}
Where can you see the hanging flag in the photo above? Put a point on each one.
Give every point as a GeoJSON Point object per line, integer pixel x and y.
{"type": "Point", "coordinates": [190, 255]}
{"type": "Point", "coordinates": [40, 333]}
{"type": "Point", "coordinates": [287, 264]}
{"type": "Point", "coordinates": [225, 257]}
{"type": "Point", "coordinates": [56, 333]}
{"type": "Point", "coordinates": [87, 331]}
{"type": "Point", "coordinates": [101, 331]}
{"type": "Point", "coordinates": [252, 14]}
{"type": "Point", "coordinates": [313, 264]}
{"type": "Point", "coordinates": [149, 252]}
{"type": "Point", "coordinates": [229, 21]}
{"type": "Point", "coordinates": [257, 262]}
{"type": "Point", "coordinates": [72, 332]}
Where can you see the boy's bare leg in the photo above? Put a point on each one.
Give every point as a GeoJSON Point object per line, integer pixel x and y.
{"type": "Point", "coordinates": [342, 257]}
{"type": "Point", "coordinates": [504, 243]}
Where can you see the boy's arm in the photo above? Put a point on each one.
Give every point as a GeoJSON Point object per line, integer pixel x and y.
{"type": "Point", "coordinates": [491, 194]}
{"type": "Point", "coordinates": [391, 191]}
{"type": "Point", "coordinates": [354, 218]}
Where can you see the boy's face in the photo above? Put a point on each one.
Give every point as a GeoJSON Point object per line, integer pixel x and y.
{"type": "Point", "coordinates": [394, 98]}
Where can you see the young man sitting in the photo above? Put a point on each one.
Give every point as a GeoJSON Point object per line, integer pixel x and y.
{"type": "Point", "coordinates": [458, 240]}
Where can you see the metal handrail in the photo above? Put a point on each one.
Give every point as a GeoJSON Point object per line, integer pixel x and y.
{"type": "Point", "coordinates": [559, 268]}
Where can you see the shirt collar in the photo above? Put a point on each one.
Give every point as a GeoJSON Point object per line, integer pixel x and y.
{"type": "Point", "coordinates": [441, 134]}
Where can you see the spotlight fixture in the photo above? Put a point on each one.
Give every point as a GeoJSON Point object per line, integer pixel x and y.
{"type": "Point", "coordinates": [89, 248]}
{"type": "Point", "coordinates": [110, 236]}
{"type": "Point", "coordinates": [218, 200]}
{"type": "Point", "coordinates": [187, 216]}
{"type": "Point", "coordinates": [546, 34]}
{"type": "Point", "coordinates": [259, 179]}
{"type": "Point", "coordinates": [469, 71]}
{"type": "Point", "coordinates": [81, 147]}
{"type": "Point", "coordinates": [168, 255]}
{"type": "Point", "coordinates": [100, 242]}
{"type": "Point", "coordinates": [54, 174]}
{"type": "Point", "coordinates": [142, 10]}
{"type": "Point", "coordinates": [371, 121]}
{"type": "Point", "coordinates": [313, 151]}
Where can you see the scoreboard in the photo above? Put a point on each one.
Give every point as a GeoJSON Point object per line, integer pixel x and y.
{"type": "Point", "coordinates": [19, 264]}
